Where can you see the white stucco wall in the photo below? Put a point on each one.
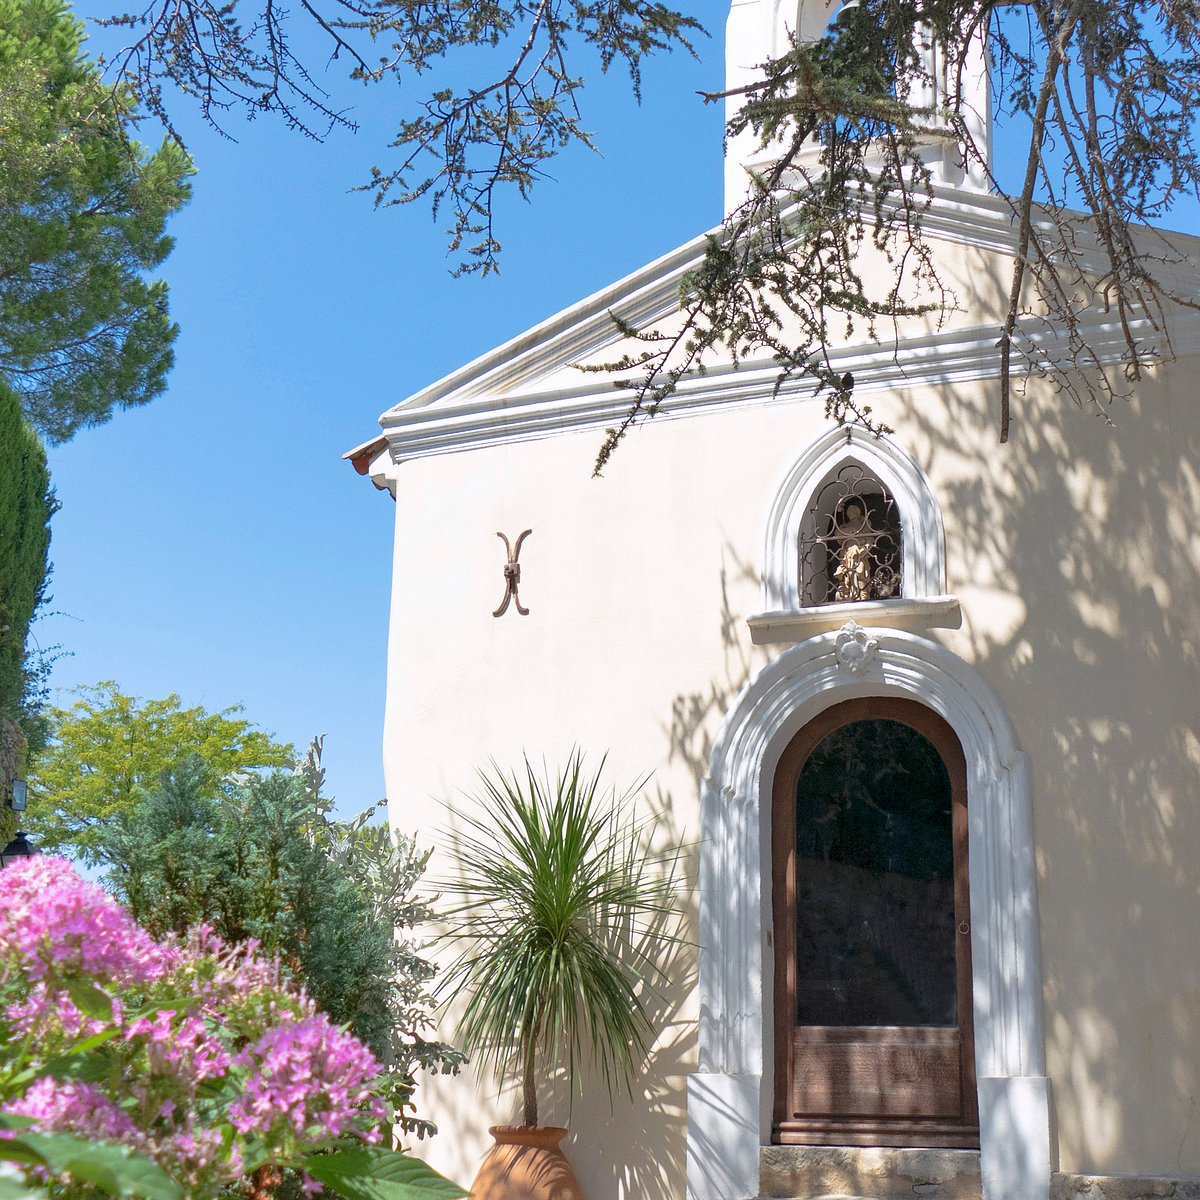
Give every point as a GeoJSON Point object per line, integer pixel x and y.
{"type": "Point", "coordinates": [1074, 551]}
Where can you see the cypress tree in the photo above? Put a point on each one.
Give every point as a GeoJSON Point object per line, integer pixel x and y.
{"type": "Point", "coordinates": [26, 504]}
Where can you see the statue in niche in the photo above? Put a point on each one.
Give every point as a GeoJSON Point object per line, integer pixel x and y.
{"type": "Point", "coordinates": [852, 578]}
{"type": "Point", "coordinates": [853, 552]}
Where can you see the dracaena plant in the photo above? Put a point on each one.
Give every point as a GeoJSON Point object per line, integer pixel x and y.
{"type": "Point", "coordinates": [564, 916]}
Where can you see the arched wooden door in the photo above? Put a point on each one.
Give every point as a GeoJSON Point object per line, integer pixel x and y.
{"type": "Point", "coordinates": [873, 1029]}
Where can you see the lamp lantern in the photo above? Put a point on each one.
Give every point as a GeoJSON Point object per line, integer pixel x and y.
{"type": "Point", "coordinates": [18, 795]}
{"type": "Point", "coordinates": [16, 850]}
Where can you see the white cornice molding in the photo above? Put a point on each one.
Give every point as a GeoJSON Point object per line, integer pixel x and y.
{"type": "Point", "coordinates": [796, 625]}
{"type": "Point", "coordinates": [496, 398]}
{"type": "Point", "coordinates": [957, 356]}
{"type": "Point", "coordinates": [989, 222]}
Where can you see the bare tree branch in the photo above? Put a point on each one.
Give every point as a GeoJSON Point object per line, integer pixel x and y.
{"type": "Point", "coordinates": [844, 115]}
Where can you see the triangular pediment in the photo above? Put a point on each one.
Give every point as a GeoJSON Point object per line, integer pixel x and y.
{"type": "Point", "coordinates": [532, 386]}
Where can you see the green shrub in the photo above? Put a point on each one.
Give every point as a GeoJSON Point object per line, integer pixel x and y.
{"type": "Point", "coordinates": [258, 857]}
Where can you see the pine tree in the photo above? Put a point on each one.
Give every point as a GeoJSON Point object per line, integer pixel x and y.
{"type": "Point", "coordinates": [82, 212]}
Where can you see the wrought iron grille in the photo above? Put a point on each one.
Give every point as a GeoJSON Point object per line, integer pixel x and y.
{"type": "Point", "coordinates": [850, 543]}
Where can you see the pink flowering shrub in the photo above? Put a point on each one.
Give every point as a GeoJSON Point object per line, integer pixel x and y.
{"type": "Point", "coordinates": [304, 1076]}
{"type": "Point", "coordinates": [199, 1056]}
{"type": "Point", "coordinates": [54, 924]}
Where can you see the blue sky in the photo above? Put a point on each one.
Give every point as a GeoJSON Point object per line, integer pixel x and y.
{"type": "Point", "coordinates": [213, 543]}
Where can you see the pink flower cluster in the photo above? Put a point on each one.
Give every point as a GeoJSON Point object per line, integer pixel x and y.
{"type": "Point", "coordinates": [306, 1074]}
{"type": "Point", "coordinates": [181, 1048]}
{"type": "Point", "coordinates": [213, 1049]}
{"type": "Point", "coordinates": [54, 923]}
{"type": "Point", "coordinates": [78, 1108]}
{"type": "Point", "coordinates": [221, 973]}
{"type": "Point", "coordinates": [45, 1009]}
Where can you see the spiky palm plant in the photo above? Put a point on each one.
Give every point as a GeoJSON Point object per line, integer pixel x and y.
{"type": "Point", "coordinates": [564, 915]}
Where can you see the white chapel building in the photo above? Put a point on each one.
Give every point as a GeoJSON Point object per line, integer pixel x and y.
{"type": "Point", "coordinates": [924, 708]}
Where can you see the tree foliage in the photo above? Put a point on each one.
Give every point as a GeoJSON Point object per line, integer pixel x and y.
{"type": "Point", "coordinates": [459, 143]}
{"type": "Point", "coordinates": [387, 866]}
{"type": "Point", "coordinates": [1107, 96]}
{"type": "Point", "coordinates": [240, 858]}
{"type": "Point", "coordinates": [26, 505]}
{"type": "Point", "coordinates": [1102, 93]}
{"type": "Point", "coordinates": [261, 858]}
{"type": "Point", "coordinates": [108, 746]}
{"type": "Point", "coordinates": [82, 213]}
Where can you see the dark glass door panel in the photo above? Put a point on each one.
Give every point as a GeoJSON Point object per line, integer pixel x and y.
{"type": "Point", "coordinates": [875, 940]}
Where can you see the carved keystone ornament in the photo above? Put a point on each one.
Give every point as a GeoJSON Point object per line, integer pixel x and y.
{"type": "Point", "coordinates": [855, 648]}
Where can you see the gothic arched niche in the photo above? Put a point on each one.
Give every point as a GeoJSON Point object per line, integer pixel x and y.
{"type": "Point", "coordinates": [823, 565]}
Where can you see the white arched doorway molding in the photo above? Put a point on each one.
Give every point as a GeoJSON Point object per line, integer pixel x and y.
{"type": "Point", "coordinates": [729, 1097]}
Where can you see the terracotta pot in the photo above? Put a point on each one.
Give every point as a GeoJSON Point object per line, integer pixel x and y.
{"type": "Point", "coordinates": [526, 1164]}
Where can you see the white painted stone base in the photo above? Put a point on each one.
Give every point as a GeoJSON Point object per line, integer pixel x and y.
{"type": "Point", "coordinates": [1014, 1136]}
{"type": "Point", "coordinates": [723, 1138]}
{"type": "Point", "coordinates": [868, 1173]}
{"type": "Point", "coordinates": [724, 1144]}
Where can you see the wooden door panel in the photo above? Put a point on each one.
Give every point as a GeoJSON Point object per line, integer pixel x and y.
{"type": "Point", "coordinates": [878, 1073]}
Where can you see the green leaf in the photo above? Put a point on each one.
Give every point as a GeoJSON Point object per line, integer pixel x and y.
{"type": "Point", "coordinates": [179, 1005]}
{"type": "Point", "coordinates": [91, 1068]}
{"type": "Point", "coordinates": [75, 1063]}
{"type": "Point", "coordinates": [90, 1000]}
{"type": "Point", "coordinates": [17, 1189]}
{"type": "Point", "coordinates": [90, 1043]}
{"type": "Point", "coordinates": [254, 1150]}
{"type": "Point", "coordinates": [113, 1169]}
{"type": "Point", "coordinates": [376, 1173]}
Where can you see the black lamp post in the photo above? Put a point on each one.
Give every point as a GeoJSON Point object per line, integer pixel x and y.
{"type": "Point", "coordinates": [17, 849]}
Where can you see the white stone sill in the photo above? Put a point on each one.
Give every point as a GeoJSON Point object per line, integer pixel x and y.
{"type": "Point", "coordinates": [920, 612]}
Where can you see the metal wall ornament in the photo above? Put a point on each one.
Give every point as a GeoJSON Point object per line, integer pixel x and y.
{"type": "Point", "coordinates": [850, 547]}
{"type": "Point", "coordinates": [512, 575]}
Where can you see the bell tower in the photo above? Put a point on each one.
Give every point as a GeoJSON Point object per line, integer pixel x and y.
{"type": "Point", "coordinates": [758, 30]}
